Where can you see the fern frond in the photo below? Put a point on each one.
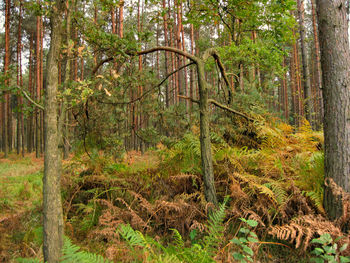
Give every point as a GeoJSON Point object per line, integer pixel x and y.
{"type": "Point", "coordinates": [72, 254]}
{"type": "Point", "coordinates": [178, 241]}
{"type": "Point", "coordinates": [134, 238]}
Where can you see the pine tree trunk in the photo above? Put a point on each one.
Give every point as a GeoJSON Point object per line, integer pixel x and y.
{"type": "Point", "coordinates": [305, 64]}
{"type": "Point", "coordinates": [121, 19]}
{"type": "Point", "coordinates": [19, 97]}
{"type": "Point", "coordinates": [335, 62]}
{"type": "Point", "coordinates": [5, 105]}
{"type": "Point", "coordinates": [166, 59]}
{"type": "Point", "coordinates": [30, 90]}
{"type": "Point", "coordinates": [319, 110]}
{"type": "Point", "coordinates": [38, 88]}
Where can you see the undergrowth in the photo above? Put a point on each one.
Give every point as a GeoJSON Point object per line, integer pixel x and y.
{"type": "Point", "coordinates": [272, 173]}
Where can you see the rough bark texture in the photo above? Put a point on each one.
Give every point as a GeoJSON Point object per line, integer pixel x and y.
{"type": "Point", "coordinates": [206, 154]}
{"type": "Point", "coordinates": [52, 207]}
{"type": "Point", "coordinates": [335, 61]}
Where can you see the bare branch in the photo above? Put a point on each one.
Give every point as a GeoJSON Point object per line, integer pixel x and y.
{"type": "Point", "coordinates": [188, 98]}
{"type": "Point", "coordinates": [211, 52]}
{"type": "Point", "coordinates": [170, 49]}
{"type": "Point", "coordinates": [36, 104]}
{"type": "Point", "coordinates": [230, 110]}
{"type": "Point", "coordinates": [100, 64]}
{"type": "Point", "coordinates": [149, 91]}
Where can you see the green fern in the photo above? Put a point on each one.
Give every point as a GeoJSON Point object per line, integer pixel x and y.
{"type": "Point", "coordinates": [203, 251]}
{"type": "Point", "coordinates": [215, 227]}
{"type": "Point", "coordinates": [71, 254]}
{"type": "Point", "coordinates": [134, 238]}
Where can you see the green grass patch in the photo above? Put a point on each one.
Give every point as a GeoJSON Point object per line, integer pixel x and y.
{"type": "Point", "coordinates": [19, 188]}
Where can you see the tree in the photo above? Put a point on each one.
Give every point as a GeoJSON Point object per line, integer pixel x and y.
{"type": "Point", "coordinates": [335, 62]}
{"type": "Point", "coordinates": [306, 71]}
{"type": "Point", "coordinates": [6, 104]}
{"type": "Point", "coordinates": [52, 207]}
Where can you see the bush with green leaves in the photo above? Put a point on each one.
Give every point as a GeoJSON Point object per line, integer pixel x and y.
{"type": "Point", "coordinates": [245, 238]}
{"type": "Point", "coordinates": [328, 250]}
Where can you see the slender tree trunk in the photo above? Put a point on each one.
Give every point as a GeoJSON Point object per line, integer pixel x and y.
{"type": "Point", "coordinates": [5, 111]}
{"type": "Point", "coordinates": [335, 61]}
{"type": "Point", "coordinates": [19, 69]}
{"type": "Point", "coordinates": [30, 90]}
{"type": "Point", "coordinates": [319, 112]}
{"type": "Point", "coordinates": [42, 144]}
{"type": "Point", "coordinates": [67, 79]}
{"type": "Point", "coordinates": [305, 63]}
{"type": "Point", "coordinates": [121, 19]}
{"type": "Point", "coordinates": [38, 87]}
{"type": "Point", "coordinates": [52, 206]}
{"type": "Point", "coordinates": [166, 57]}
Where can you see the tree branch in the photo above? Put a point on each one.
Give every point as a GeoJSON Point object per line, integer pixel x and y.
{"type": "Point", "coordinates": [211, 52]}
{"type": "Point", "coordinates": [188, 98]}
{"type": "Point", "coordinates": [149, 91]}
{"type": "Point", "coordinates": [100, 64]}
{"type": "Point", "coordinates": [170, 49]}
{"type": "Point", "coordinates": [36, 104]}
{"type": "Point", "coordinates": [230, 110]}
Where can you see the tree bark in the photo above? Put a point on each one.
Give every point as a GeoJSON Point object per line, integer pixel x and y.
{"type": "Point", "coordinates": [52, 206]}
{"type": "Point", "coordinates": [5, 105]}
{"type": "Point", "coordinates": [335, 62]}
{"type": "Point", "coordinates": [306, 71]}
{"type": "Point", "coordinates": [38, 80]}
{"type": "Point", "coordinates": [19, 97]}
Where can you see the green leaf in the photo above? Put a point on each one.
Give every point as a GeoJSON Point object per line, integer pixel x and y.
{"type": "Point", "coordinates": [317, 260]}
{"type": "Point", "coordinates": [252, 223]}
{"type": "Point", "coordinates": [252, 239]}
{"type": "Point", "coordinates": [343, 247]}
{"type": "Point", "coordinates": [238, 256]}
{"type": "Point", "coordinates": [236, 241]}
{"type": "Point", "coordinates": [318, 251]}
{"type": "Point", "coordinates": [244, 230]}
{"type": "Point", "coordinates": [344, 259]}
{"type": "Point", "coordinates": [248, 250]}
{"type": "Point", "coordinates": [243, 240]}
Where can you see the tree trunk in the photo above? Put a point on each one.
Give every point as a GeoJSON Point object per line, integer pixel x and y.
{"type": "Point", "coordinates": [121, 19]}
{"type": "Point", "coordinates": [37, 111]}
{"type": "Point", "coordinates": [52, 206]}
{"type": "Point", "coordinates": [335, 62]}
{"type": "Point", "coordinates": [319, 110]}
{"type": "Point", "coordinates": [66, 79]}
{"type": "Point", "coordinates": [19, 97]}
{"type": "Point", "coordinates": [206, 154]}
{"type": "Point", "coordinates": [30, 90]}
{"type": "Point", "coordinates": [306, 71]}
{"type": "Point", "coordinates": [6, 104]}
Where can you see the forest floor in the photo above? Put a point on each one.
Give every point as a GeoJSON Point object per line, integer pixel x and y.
{"type": "Point", "coordinates": [20, 198]}
{"type": "Point", "coordinates": [276, 181]}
